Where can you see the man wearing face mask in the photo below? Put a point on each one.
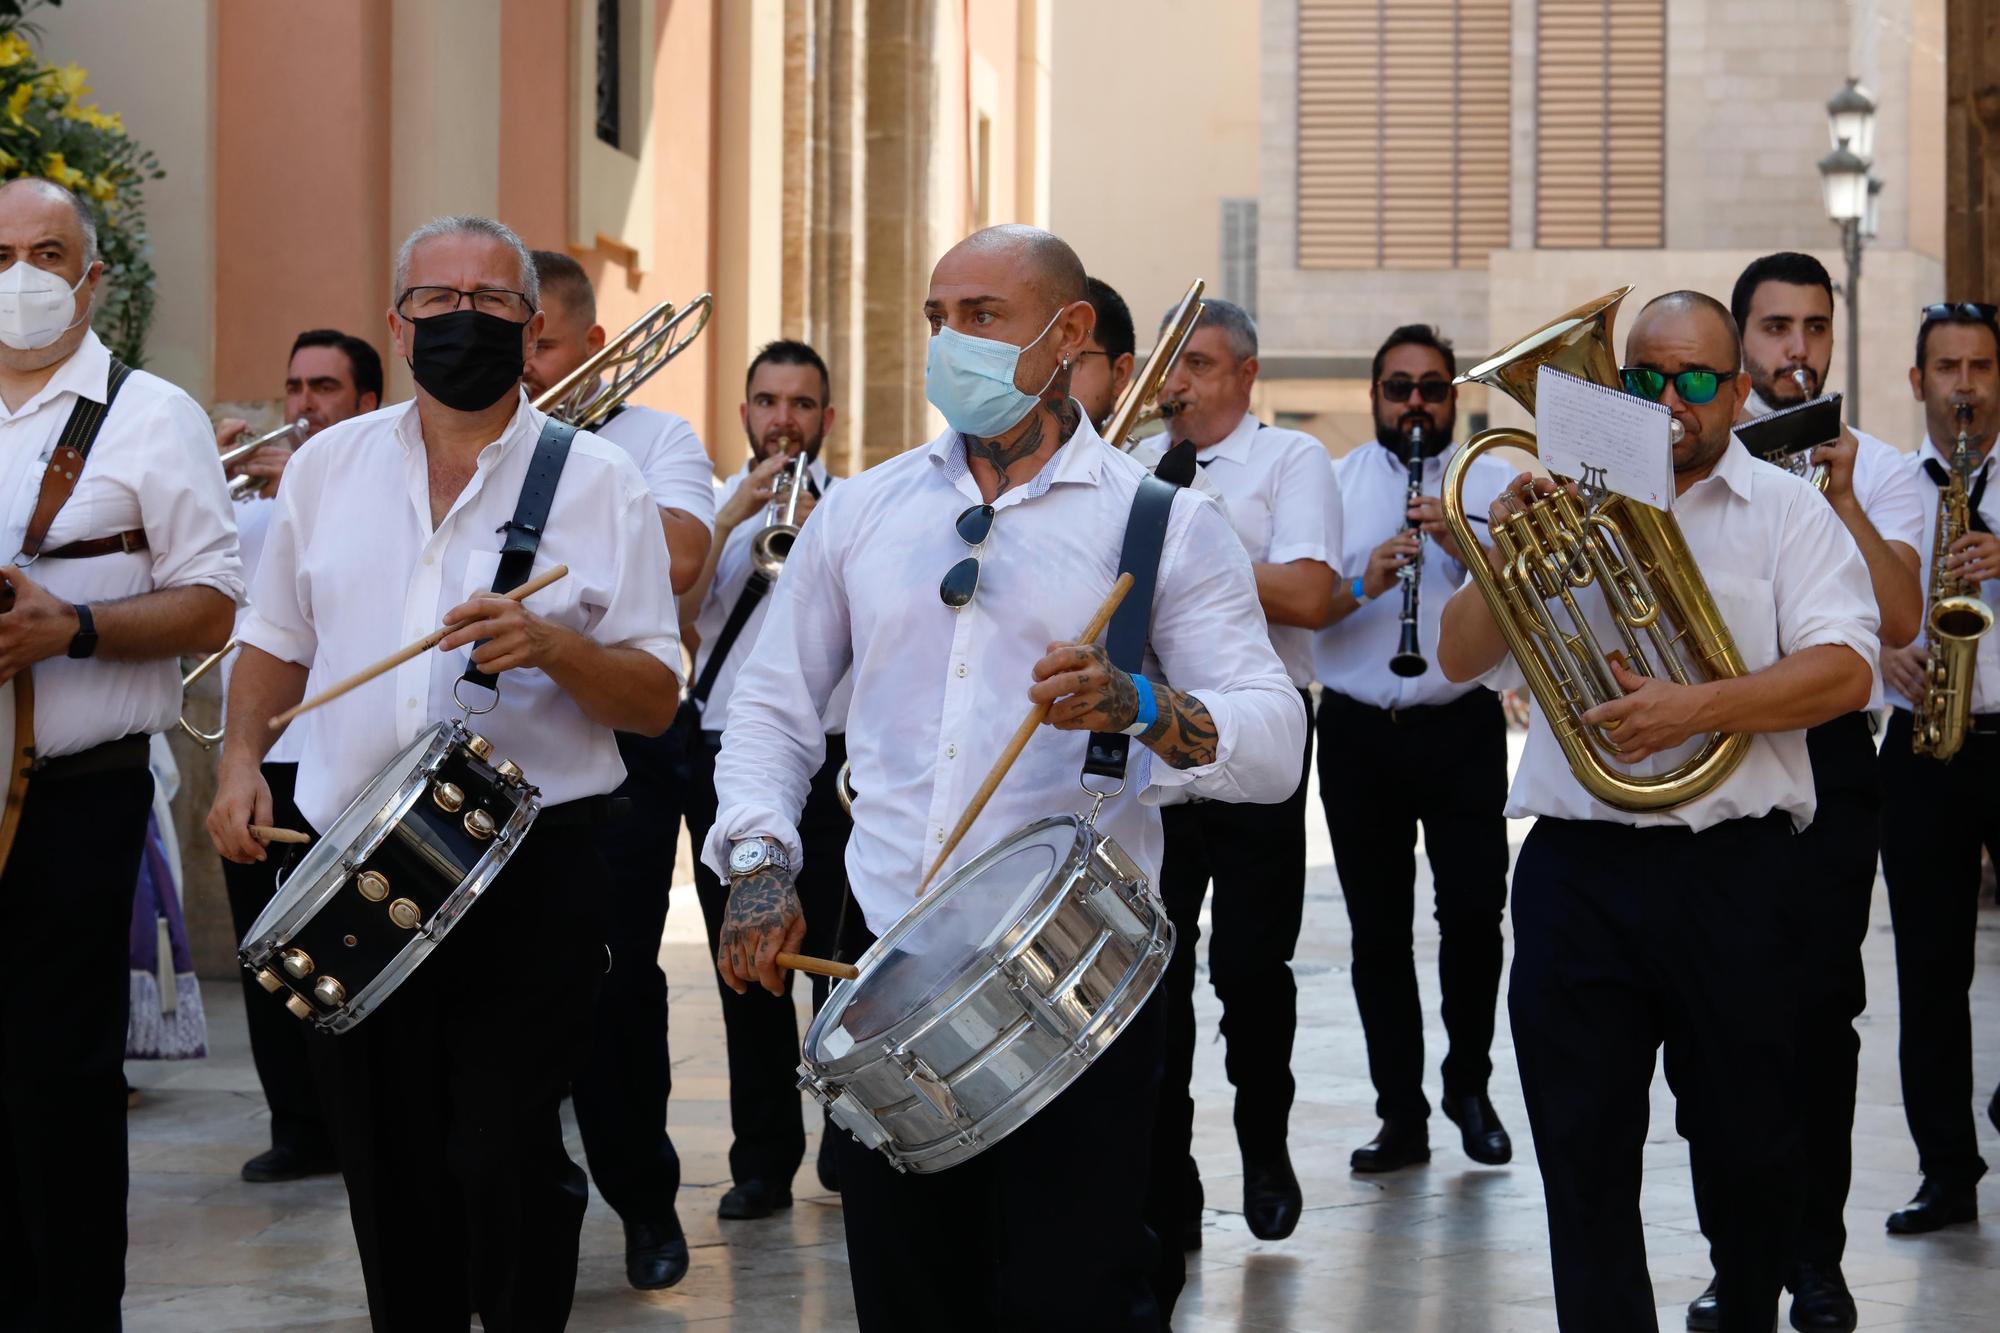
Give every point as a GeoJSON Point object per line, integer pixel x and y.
{"type": "Point", "coordinates": [1022, 509]}
{"type": "Point", "coordinates": [1279, 492]}
{"type": "Point", "coordinates": [330, 377]}
{"type": "Point", "coordinates": [446, 1101]}
{"type": "Point", "coordinates": [1673, 926]}
{"type": "Point", "coordinates": [122, 557]}
{"type": "Point", "coordinates": [1413, 749]}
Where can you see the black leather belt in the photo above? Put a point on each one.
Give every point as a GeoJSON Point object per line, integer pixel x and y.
{"type": "Point", "coordinates": [122, 755]}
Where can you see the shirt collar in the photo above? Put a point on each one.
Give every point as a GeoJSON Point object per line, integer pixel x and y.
{"type": "Point", "coordinates": [1080, 459]}
{"type": "Point", "coordinates": [1928, 450]}
{"type": "Point", "coordinates": [525, 423]}
{"type": "Point", "coordinates": [1234, 446]}
{"type": "Point", "coordinates": [87, 374]}
{"type": "Point", "coordinates": [1735, 469]}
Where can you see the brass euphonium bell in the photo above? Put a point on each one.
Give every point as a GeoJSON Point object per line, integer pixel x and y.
{"type": "Point", "coordinates": [773, 542]}
{"type": "Point", "coordinates": [1556, 547]}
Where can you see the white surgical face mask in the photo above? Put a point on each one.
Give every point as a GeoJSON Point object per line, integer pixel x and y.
{"type": "Point", "coordinates": [36, 306]}
{"type": "Point", "coordinates": [971, 380]}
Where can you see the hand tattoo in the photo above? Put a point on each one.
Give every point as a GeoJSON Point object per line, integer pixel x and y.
{"type": "Point", "coordinates": [1184, 733]}
{"type": "Point", "coordinates": [761, 906]}
{"type": "Point", "coordinates": [1098, 696]}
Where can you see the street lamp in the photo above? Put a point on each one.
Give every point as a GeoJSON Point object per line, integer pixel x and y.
{"type": "Point", "coordinates": [1852, 206]}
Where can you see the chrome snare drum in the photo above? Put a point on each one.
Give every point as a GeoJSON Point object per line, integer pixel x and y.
{"type": "Point", "coordinates": [385, 884]}
{"type": "Point", "coordinates": [990, 997]}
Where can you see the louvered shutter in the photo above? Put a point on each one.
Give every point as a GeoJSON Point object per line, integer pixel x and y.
{"type": "Point", "coordinates": [1600, 123]}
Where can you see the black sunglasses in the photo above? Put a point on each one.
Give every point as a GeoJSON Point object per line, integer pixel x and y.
{"type": "Point", "coordinates": [1962, 310]}
{"type": "Point", "coordinates": [1398, 390]}
{"type": "Point", "coordinates": [962, 579]}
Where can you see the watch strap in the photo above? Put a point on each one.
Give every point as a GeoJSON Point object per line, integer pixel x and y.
{"type": "Point", "coordinates": [84, 642]}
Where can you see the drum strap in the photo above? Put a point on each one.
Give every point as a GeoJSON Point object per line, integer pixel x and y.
{"type": "Point", "coordinates": [1125, 640]}
{"type": "Point", "coordinates": [732, 629]}
{"type": "Point", "coordinates": [522, 534]}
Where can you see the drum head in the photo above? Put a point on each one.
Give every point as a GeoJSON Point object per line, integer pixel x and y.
{"type": "Point", "coordinates": [958, 922]}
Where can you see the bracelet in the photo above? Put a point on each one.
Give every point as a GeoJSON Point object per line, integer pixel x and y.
{"type": "Point", "coordinates": [1360, 593]}
{"type": "Point", "coordinates": [1149, 707]}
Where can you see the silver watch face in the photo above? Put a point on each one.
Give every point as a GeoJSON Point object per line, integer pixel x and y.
{"type": "Point", "coordinates": [747, 856]}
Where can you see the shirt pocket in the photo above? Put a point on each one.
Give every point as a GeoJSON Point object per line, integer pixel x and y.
{"type": "Point", "coordinates": [1749, 606]}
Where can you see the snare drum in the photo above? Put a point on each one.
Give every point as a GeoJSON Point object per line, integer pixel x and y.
{"type": "Point", "coordinates": [381, 889]}
{"type": "Point", "coordinates": [990, 997]}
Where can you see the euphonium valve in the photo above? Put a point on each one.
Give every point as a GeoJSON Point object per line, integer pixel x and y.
{"type": "Point", "coordinates": [773, 542]}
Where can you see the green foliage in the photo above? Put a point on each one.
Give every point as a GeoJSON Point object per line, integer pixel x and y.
{"type": "Point", "coordinates": [47, 129]}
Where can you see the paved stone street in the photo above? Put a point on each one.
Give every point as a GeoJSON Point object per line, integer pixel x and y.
{"type": "Point", "coordinates": [1448, 1247]}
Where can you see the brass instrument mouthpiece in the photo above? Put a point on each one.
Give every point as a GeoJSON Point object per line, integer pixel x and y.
{"type": "Point", "coordinates": [1171, 406]}
{"type": "Point", "coordinates": [1803, 378]}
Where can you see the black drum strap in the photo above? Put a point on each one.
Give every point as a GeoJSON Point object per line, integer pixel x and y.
{"type": "Point", "coordinates": [1125, 641]}
{"type": "Point", "coordinates": [522, 534]}
{"type": "Point", "coordinates": [732, 629]}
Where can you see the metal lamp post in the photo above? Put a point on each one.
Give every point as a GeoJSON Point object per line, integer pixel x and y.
{"type": "Point", "coordinates": [1851, 204]}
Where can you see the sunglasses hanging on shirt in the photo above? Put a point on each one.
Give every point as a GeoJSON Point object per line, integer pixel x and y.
{"type": "Point", "coordinates": [961, 581]}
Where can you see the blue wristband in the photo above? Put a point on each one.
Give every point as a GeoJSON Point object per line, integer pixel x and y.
{"type": "Point", "coordinates": [1360, 596]}
{"type": "Point", "coordinates": [1149, 707]}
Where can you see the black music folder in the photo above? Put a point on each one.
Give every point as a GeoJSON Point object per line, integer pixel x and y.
{"type": "Point", "coordinates": [1777, 435]}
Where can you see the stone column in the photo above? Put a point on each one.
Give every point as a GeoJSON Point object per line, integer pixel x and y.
{"type": "Point", "coordinates": [1972, 139]}
{"type": "Point", "coordinates": [901, 98]}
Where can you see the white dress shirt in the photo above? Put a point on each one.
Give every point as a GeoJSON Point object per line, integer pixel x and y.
{"type": "Point", "coordinates": [253, 525]}
{"type": "Point", "coordinates": [353, 570]}
{"type": "Point", "coordinates": [1351, 656]}
{"type": "Point", "coordinates": [1786, 576]}
{"type": "Point", "coordinates": [1280, 496]}
{"type": "Point", "coordinates": [1986, 661]}
{"type": "Point", "coordinates": [154, 467]}
{"type": "Point", "coordinates": [670, 455]}
{"type": "Point", "coordinates": [937, 693]}
{"type": "Point", "coordinates": [732, 573]}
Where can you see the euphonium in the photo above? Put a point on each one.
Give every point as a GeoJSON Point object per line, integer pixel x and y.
{"type": "Point", "coordinates": [773, 541]}
{"type": "Point", "coordinates": [1957, 619]}
{"type": "Point", "coordinates": [1557, 546]}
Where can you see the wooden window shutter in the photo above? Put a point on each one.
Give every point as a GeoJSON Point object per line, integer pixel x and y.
{"type": "Point", "coordinates": [1403, 135]}
{"type": "Point", "coordinates": [1600, 168]}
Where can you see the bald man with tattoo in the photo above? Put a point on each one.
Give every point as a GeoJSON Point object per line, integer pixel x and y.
{"type": "Point", "coordinates": [1022, 508]}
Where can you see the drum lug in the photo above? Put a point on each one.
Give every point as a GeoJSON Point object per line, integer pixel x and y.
{"type": "Point", "coordinates": [934, 1090]}
{"type": "Point", "coordinates": [1035, 1002]}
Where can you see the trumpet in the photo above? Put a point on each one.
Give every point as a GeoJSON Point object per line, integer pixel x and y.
{"type": "Point", "coordinates": [1553, 547]}
{"type": "Point", "coordinates": [1409, 659]}
{"type": "Point", "coordinates": [207, 740]}
{"type": "Point", "coordinates": [242, 488]}
{"type": "Point", "coordinates": [773, 542]}
{"type": "Point", "coordinates": [586, 397]}
{"type": "Point", "coordinates": [1957, 618]}
{"type": "Point", "coordinates": [1142, 402]}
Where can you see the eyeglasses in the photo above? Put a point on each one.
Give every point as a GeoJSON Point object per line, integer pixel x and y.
{"type": "Point", "coordinates": [1398, 390]}
{"type": "Point", "coordinates": [1695, 387]}
{"type": "Point", "coordinates": [424, 302]}
{"type": "Point", "coordinates": [1961, 310]}
{"type": "Point", "coordinates": [955, 589]}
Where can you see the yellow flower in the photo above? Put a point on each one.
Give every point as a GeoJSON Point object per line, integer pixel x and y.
{"type": "Point", "coordinates": [69, 81]}
{"type": "Point", "coordinates": [101, 188]}
{"type": "Point", "coordinates": [18, 101]}
{"type": "Point", "coordinates": [61, 172]}
{"type": "Point", "coordinates": [92, 116]}
{"type": "Point", "coordinates": [8, 161]}
{"type": "Point", "coordinates": [14, 49]}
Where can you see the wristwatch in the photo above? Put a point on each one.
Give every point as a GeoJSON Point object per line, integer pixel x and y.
{"type": "Point", "coordinates": [84, 642]}
{"type": "Point", "coordinates": [754, 854]}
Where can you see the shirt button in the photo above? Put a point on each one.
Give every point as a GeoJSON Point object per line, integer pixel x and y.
{"type": "Point", "coordinates": [940, 835]}
{"type": "Point", "coordinates": [430, 559]}
{"type": "Point", "coordinates": [961, 668]}
{"type": "Point", "coordinates": [951, 752]}
{"type": "Point", "coordinates": [409, 703]}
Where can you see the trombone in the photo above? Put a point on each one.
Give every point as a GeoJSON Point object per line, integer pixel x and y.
{"type": "Point", "coordinates": [588, 395]}
{"type": "Point", "coordinates": [1141, 402]}
{"type": "Point", "coordinates": [242, 488]}
{"type": "Point", "coordinates": [207, 740]}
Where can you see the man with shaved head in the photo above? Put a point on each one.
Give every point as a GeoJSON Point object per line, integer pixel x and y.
{"type": "Point", "coordinates": [1022, 508]}
{"type": "Point", "coordinates": [121, 507]}
{"type": "Point", "coordinates": [1634, 929]}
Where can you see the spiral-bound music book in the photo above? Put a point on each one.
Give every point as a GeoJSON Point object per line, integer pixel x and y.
{"type": "Point", "coordinates": [1604, 437]}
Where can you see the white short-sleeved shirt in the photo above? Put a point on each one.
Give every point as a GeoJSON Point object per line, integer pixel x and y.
{"type": "Point", "coordinates": [1351, 657]}
{"type": "Point", "coordinates": [1786, 576]}
{"type": "Point", "coordinates": [1280, 496]}
{"type": "Point", "coordinates": [153, 468]}
{"type": "Point", "coordinates": [1986, 661]}
{"type": "Point", "coordinates": [253, 524]}
{"type": "Point", "coordinates": [352, 570]}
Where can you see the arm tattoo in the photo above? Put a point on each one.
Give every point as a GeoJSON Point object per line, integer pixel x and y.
{"type": "Point", "coordinates": [1184, 735]}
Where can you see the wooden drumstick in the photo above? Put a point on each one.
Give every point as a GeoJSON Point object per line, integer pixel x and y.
{"type": "Point", "coordinates": [819, 967]}
{"type": "Point", "coordinates": [404, 654]}
{"type": "Point", "coordinates": [268, 833]}
{"type": "Point", "coordinates": [1034, 719]}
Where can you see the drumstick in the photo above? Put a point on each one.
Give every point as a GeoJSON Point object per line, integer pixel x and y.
{"type": "Point", "coordinates": [1034, 719]}
{"type": "Point", "coordinates": [819, 967]}
{"type": "Point", "coordinates": [267, 833]}
{"type": "Point", "coordinates": [405, 653]}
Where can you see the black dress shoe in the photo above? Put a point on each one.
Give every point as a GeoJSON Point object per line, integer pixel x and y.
{"type": "Point", "coordinates": [1936, 1205]}
{"type": "Point", "coordinates": [287, 1163]}
{"type": "Point", "coordinates": [829, 1169]}
{"type": "Point", "coordinates": [753, 1198]}
{"type": "Point", "coordinates": [1479, 1125]}
{"type": "Point", "coordinates": [1704, 1314]}
{"type": "Point", "coordinates": [1401, 1143]}
{"type": "Point", "coordinates": [656, 1254]}
{"type": "Point", "coordinates": [1271, 1198]}
{"type": "Point", "coordinates": [1821, 1302]}
{"type": "Point", "coordinates": [1993, 1108]}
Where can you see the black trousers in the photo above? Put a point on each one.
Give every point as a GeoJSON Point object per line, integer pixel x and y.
{"type": "Point", "coordinates": [64, 1005]}
{"type": "Point", "coordinates": [1044, 1230]}
{"type": "Point", "coordinates": [1833, 881]}
{"type": "Point", "coordinates": [621, 1095]}
{"type": "Point", "coordinates": [1935, 818]}
{"type": "Point", "coordinates": [447, 1102]}
{"type": "Point", "coordinates": [1626, 939]}
{"type": "Point", "coordinates": [766, 1114]}
{"type": "Point", "coordinates": [278, 1042]}
{"type": "Point", "coordinates": [1380, 774]}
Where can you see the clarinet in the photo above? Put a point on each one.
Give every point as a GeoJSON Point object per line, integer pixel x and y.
{"type": "Point", "coordinates": [1409, 658]}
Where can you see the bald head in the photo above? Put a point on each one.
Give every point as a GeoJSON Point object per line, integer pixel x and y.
{"type": "Point", "coordinates": [1052, 268]}
{"type": "Point", "coordinates": [1690, 331]}
{"type": "Point", "coordinates": [1688, 314]}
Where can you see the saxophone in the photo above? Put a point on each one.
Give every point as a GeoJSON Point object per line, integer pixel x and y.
{"type": "Point", "coordinates": [1957, 619]}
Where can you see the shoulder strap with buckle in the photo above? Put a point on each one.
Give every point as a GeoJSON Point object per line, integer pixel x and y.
{"type": "Point", "coordinates": [522, 534]}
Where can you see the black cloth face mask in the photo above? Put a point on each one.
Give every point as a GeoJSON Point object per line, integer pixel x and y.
{"type": "Point", "coordinates": [467, 359]}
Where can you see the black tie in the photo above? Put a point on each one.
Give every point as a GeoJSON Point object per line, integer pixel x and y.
{"type": "Point", "coordinates": [1178, 463]}
{"type": "Point", "coordinates": [1942, 478]}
